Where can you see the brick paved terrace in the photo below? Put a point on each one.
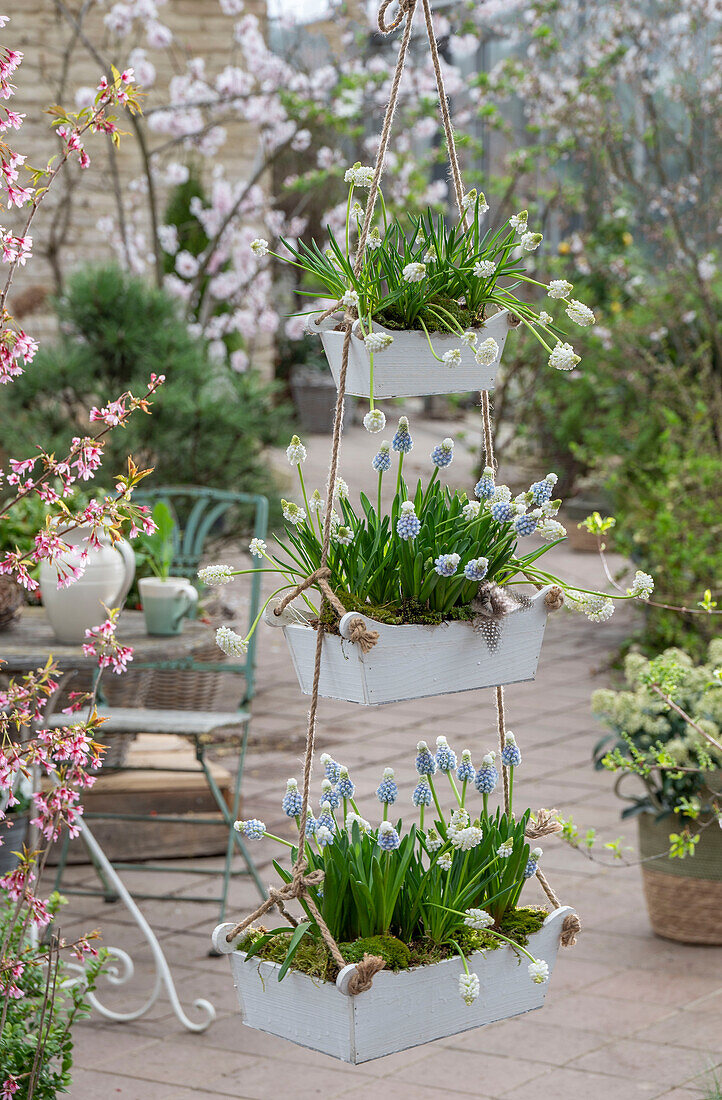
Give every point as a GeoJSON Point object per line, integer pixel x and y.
{"type": "Point", "coordinates": [628, 1016]}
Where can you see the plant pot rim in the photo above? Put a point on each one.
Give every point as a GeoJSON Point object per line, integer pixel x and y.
{"type": "Point", "coordinates": [302, 619]}
{"type": "Point", "coordinates": [330, 325]}
{"type": "Point", "coordinates": [477, 958]}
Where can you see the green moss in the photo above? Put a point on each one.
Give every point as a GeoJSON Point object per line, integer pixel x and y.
{"type": "Point", "coordinates": [313, 958]}
{"type": "Point", "coordinates": [395, 954]}
{"type": "Point", "coordinates": [393, 316]}
{"type": "Point", "coordinates": [409, 613]}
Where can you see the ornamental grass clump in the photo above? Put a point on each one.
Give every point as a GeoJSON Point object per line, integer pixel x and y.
{"type": "Point", "coordinates": [443, 879]}
{"type": "Point", "coordinates": [438, 554]}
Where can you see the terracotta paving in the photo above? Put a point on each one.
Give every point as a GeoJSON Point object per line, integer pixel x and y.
{"type": "Point", "coordinates": [628, 1016]}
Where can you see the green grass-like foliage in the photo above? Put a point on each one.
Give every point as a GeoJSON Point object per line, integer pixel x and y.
{"type": "Point", "coordinates": [393, 578]}
{"type": "Point", "coordinates": [449, 298]}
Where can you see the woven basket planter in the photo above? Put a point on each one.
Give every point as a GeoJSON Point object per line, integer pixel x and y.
{"type": "Point", "coordinates": [412, 662]}
{"type": "Point", "coordinates": [407, 368]}
{"type": "Point", "coordinates": [400, 1010]}
{"type": "Point", "coordinates": [684, 896]}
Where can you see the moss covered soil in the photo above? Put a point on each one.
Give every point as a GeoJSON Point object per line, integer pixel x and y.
{"type": "Point", "coordinates": [409, 614]}
{"type": "Point", "coordinates": [393, 316]}
{"type": "Point", "coordinates": [312, 956]}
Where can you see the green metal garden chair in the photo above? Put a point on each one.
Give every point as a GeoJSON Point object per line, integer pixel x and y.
{"type": "Point", "coordinates": [198, 514]}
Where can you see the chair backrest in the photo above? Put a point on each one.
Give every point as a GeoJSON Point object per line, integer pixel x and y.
{"type": "Point", "coordinates": [199, 514]}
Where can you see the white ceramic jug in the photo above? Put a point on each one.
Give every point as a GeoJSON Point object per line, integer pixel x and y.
{"type": "Point", "coordinates": [108, 575]}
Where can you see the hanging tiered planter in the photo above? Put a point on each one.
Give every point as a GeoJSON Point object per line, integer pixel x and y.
{"type": "Point", "coordinates": [400, 1010]}
{"type": "Point", "coordinates": [411, 368]}
{"type": "Point", "coordinates": [414, 661]}
{"type": "Point", "coordinates": [408, 934]}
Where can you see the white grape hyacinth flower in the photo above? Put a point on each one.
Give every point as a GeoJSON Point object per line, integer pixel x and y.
{"type": "Point", "coordinates": [563, 357]}
{"type": "Point", "coordinates": [452, 358]}
{"type": "Point", "coordinates": [257, 548]}
{"type": "Point", "coordinates": [469, 988]}
{"type": "Point", "coordinates": [478, 919]}
{"type": "Point", "coordinates": [259, 247]}
{"type": "Point", "coordinates": [539, 971]}
{"type": "Point", "coordinates": [378, 341]}
{"type": "Point", "coordinates": [484, 269]}
{"type": "Point", "coordinates": [232, 644]}
{"type": "Point", "coordinates": [215, 574]}
{"type": "Point", "coordinates": [560, 288]}
{"type": "Point", "coordinates": [374, 421]}
{"type": "Point", "coordinates": [414, 273]}
{"type": "Point", "coordinates": [581, 314]}
{"type": "Point", "coordinates": [487, 352]}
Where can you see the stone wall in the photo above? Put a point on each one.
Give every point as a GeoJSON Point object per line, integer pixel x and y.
{"type": "Point", "coordinates": [57, 64]}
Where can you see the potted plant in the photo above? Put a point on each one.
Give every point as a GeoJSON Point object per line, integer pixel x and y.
{"type": "Point", "coordinates": [436, 901]}
{"type": "Point", "coordinates": [667, 732]}
{"type": "Point", "coordinates": [421, 600]}
{"type": "Point", "coordinates": [166, 600]}
{"type": "Point", "coordinates": [303, 365]}
{"type": "Point", "coordinates": [441, 297]}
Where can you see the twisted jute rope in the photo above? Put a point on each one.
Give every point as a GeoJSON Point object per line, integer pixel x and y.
{"type": "Point", "coordinates": [301, 883]}
{"type": "Point", "coordinates": [555, 597]}
{"type": "Point", "coordinates": [360, 634]}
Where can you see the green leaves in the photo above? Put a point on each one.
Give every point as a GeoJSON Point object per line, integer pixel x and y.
{"type": "Point", "coordinates": [450, 297]}
{"type": "Point", "coordinates": [381, 571]}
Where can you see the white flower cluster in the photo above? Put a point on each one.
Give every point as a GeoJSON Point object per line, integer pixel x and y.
{"type": "Point", "coordinates": [487, 352]}
{"type": "Point", "coordinates": [414, 273]}
{"type": "Point", "coordinates": [296, 452]}
{"type": "Point", "coordinates": [577, 311]}
{"type": "Point", "coordinates": [359, 175]}
{"type": "Point", "coordinates": [232, 644]}
{"type": "Point", "coordinates": [484, 269]}
{"type": "Point", "coordinates": [374, 421]}
{"type": "Point", "coordinates": [563, 357]}
{"type": "Point", "coordinates": [378, 341]}
{"type": "Point", "coordinates": [560, 288]}
{"type": "Point", "coordinates": [215, 574]}
{"type": "Point", "coordinates": [539, 971]}
{"type": "Point", "coordinates": [478, 919]}
{"type": "Point", "coordinates": [469, 987]}
{"type": "Point", "coordinates": [596, 607]}
{"type": "Point", "coordinates": [642, 585]}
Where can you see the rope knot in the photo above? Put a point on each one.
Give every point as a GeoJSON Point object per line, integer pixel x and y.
{"type": "Point", "coordinates": [554, 599]}
{"type": "Point", "coordinates": [363, 979]}
{"type": "Point", "coordinates": [544, 823]}
{"type": "Point", "coordinates": [361, 636]}
{"type": "Point", "coordinates": [571, 928]}
{"type": "Point", "coordinates": [406, 8]}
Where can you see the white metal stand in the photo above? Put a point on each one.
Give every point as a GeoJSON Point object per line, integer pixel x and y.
{"type": "Point", "coordinates": [122, 972]}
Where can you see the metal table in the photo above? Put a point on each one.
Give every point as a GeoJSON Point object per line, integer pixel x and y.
{"type": "Point", "coordinates": [26, 646]}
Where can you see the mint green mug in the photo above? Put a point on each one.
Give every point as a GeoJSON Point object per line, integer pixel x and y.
{"type": "Point", "coordinates": [166, 603]}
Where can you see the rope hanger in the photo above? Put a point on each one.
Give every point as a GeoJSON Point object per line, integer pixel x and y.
{"type": "Point", "coordinates": [300, 882]}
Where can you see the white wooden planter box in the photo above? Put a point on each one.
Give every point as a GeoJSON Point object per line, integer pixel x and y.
{"type": "Point", "coordinates": [412, 662]}
{"type": "Point", "coordinates": [407, 368]}
{"type": "Point", "coordinates": [400, 1010]}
